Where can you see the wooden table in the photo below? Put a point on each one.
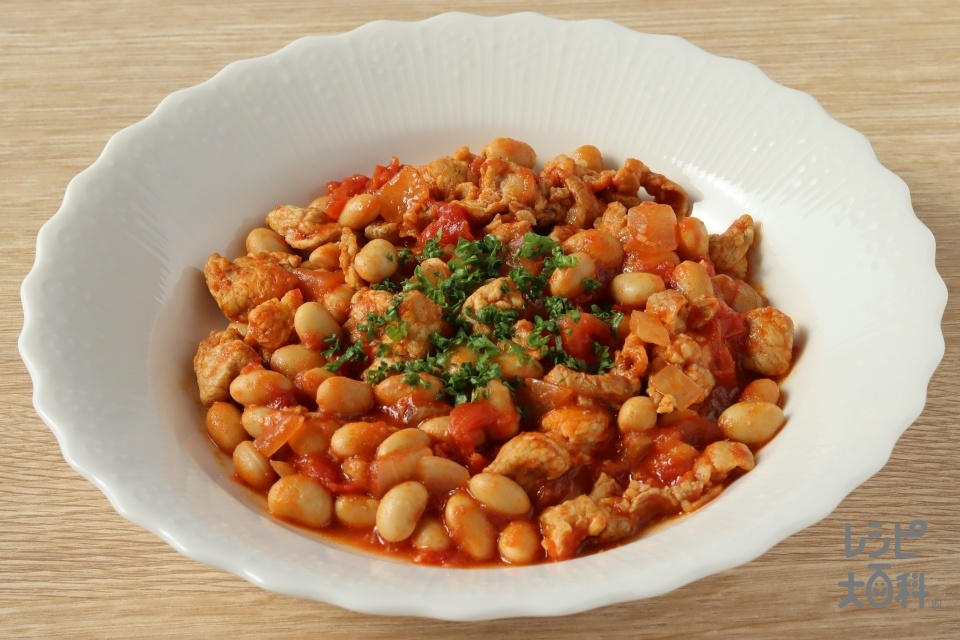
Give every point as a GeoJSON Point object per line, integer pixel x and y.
{"type": "Point", "coordinates": [73, 73]}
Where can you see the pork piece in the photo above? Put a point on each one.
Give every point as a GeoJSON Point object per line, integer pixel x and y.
{"type": "Point", "coordinates": [531, 458]}
{"type": "Point", "coordinates": [389, 231]}
{"type": "Point", "coordinates": [568, 524]}
{"type": "Point", "coordinates": [641, 503]}
{"type": "Point", "coordinates": [505, 187]}
{"type": "Point", "coordinates": [728, 250]}
{"type": "Point", "coordinates": [569, 200]}
{"type": "Point", "coordinates": [663, 190]}
{"type": "Point", "coordinates": [580, 427]}
{"type": "Point", "coordinates": [304, 229]}
{"type": "Point", "coordinates": [500, 293]}
{"type": "Point", "coordinates": [631, 361]}
{"type": "Point", "coordinates": [270, 324]}
{"type": "Point", "coordinates": [348, 251]}
{"type": "Point", "coordinates": [612, 388]}
{"type": "Point", "coordinates": [719, 459]}
{"type": "Point", "coordinates": [444, 175]}
{"type": "Point", "coordinates": [768, 347]}
{"type": "Point", "coordinates": [613, 221]}
{"type": "Point", "coordinates": [690, 357]}
{"type": "Point", "coordinates": [248, 281]}
{"type": "Point", "coordinates": [604, 487]}
{"type": "Point", "coordinates": [671, 308]}
{"type": "Point", "coordinates": [219, 359]}
{"type": "Point", "coordinates": [506, 230]}
{"type": "Point", "coordinates": [419, 315]}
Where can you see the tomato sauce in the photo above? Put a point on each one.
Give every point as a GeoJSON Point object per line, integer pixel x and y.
{"type": "Point", "coordinates": [661, 456]}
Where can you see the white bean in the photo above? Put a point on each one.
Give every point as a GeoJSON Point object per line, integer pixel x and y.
{"type": "Point", "coordinates": [434, 270]}
{"type": "Point", "coordinates": [752, 423]}
{"type": "Point", "coordinates": [404, 439]}
{"type": "Point", "coordinates": [602, 247]}
{"type": "Point", "coordinates": [638, 413]}
{"type": "Point", "coordinates": [439, 429]}
{"type": "Point", "coordinates": [588, 157]}
{"type": "Point", "coordinates": [308, 382]}
{"type": "Point", "coordinates": [344, 396]}
{"type": "Point", "coordinates": [568, 281]}
{"type": "Point", "coordinates": [259, 387]}
{"type": "Point", "coordinates": [633, 289]}
{"type": "Point", "coordinates": [511, 150]}
{"type": "Point", "coordinates": [320, 202]}
{"type": "Point", "coordinates": [376, 261]}
{"type": "Point", "coordinates": [469, 527]}
{"type": "Point", "coordinates": [314, 323]}
{"type": "Point", "coordinates": [356, 511]}
{"type": "Point", "coordinates": [508, 418]}
{"type": "Point", "coordinates": [513, 365]}
{"type": "Point", "coordinates": [500, 493]}
{"type": "Point", "coordinates": [294, 358]}
{"type": "Point", "coordinates": [253, 467]}
{"type": "Point", "coordinates": [400, 510]}
{"type": "Point", "coordinates": [761, 390]}
{"type": "Point", "coordinates": [301, 499]}
{"type": "Point", "coordinates": [440, 475]}
{"type": "Point", "coordinates": [430, 535]}
{"type": "Point", "coordinates": [360, 210]}
{"type": "Point", "coordinates": [254, 418]}
{"type": "Point", "coordinates": [394, 389]}
{"type": "Point", "coordinates": [282, 468]}
{"type": "Point", "coordinates": [694, 240]}
{"type": "Point", "coordinates": [264, 240]}
{"type": "Point", "coordinates": [225, 426]}
{"type": "Point", "coordinates": [326, 256]}
{"type": "Point", "coordinates": [692, 280]}
{"type": "Point", "coordinates": [337, 302]}
{"type": "Point", "coordinates": [395, 467]}
{"type": "Point", "coordinates": [358, 439]}
{"type": "Point", "coordinates": [519, 542]}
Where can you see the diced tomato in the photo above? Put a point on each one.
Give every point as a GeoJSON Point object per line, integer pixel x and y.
{"type": "Point", "coordinates": [340, 192]}
{"type": "Point", "coordinates": [668, 459]}
{"type": "Point", "coordinates": [726, 324]}
{"type": "Point", "coordinates": [697, 431]}
{"type": "Point", "coordinates": [383, 175]}
{"type": "Point", "coordinates": [724, 366]}
{"type": "Point", "coordinates": [325, 471]}
{"type": "Point", "coordinates": [467, 419]}
{"type": "Point", "coordinates": [404, 193]}
{"type": "Point", "coordinates": [475, 163]}
{"type": "Point", "coordinates": [321, 468]}
{"type": "Point", "coordinates": [451, 221]}
{"type": "Point", "coordinates": [732, 324]}
{"type": "Point", "coordinates": [579, 336]}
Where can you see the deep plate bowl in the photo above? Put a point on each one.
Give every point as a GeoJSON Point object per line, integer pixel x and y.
{"type": "Point", "coordinates": [115, 304]}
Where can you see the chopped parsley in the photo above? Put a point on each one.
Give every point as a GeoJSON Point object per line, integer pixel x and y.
{"type": "Point", "coordinates": [472, 264]}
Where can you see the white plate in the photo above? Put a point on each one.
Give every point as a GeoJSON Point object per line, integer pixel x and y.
{"type": "Point", "coordinates": [115, 304]}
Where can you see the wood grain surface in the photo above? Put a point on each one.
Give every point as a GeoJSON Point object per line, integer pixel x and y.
{"type": "Point", "coordinates": [73, 73]}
